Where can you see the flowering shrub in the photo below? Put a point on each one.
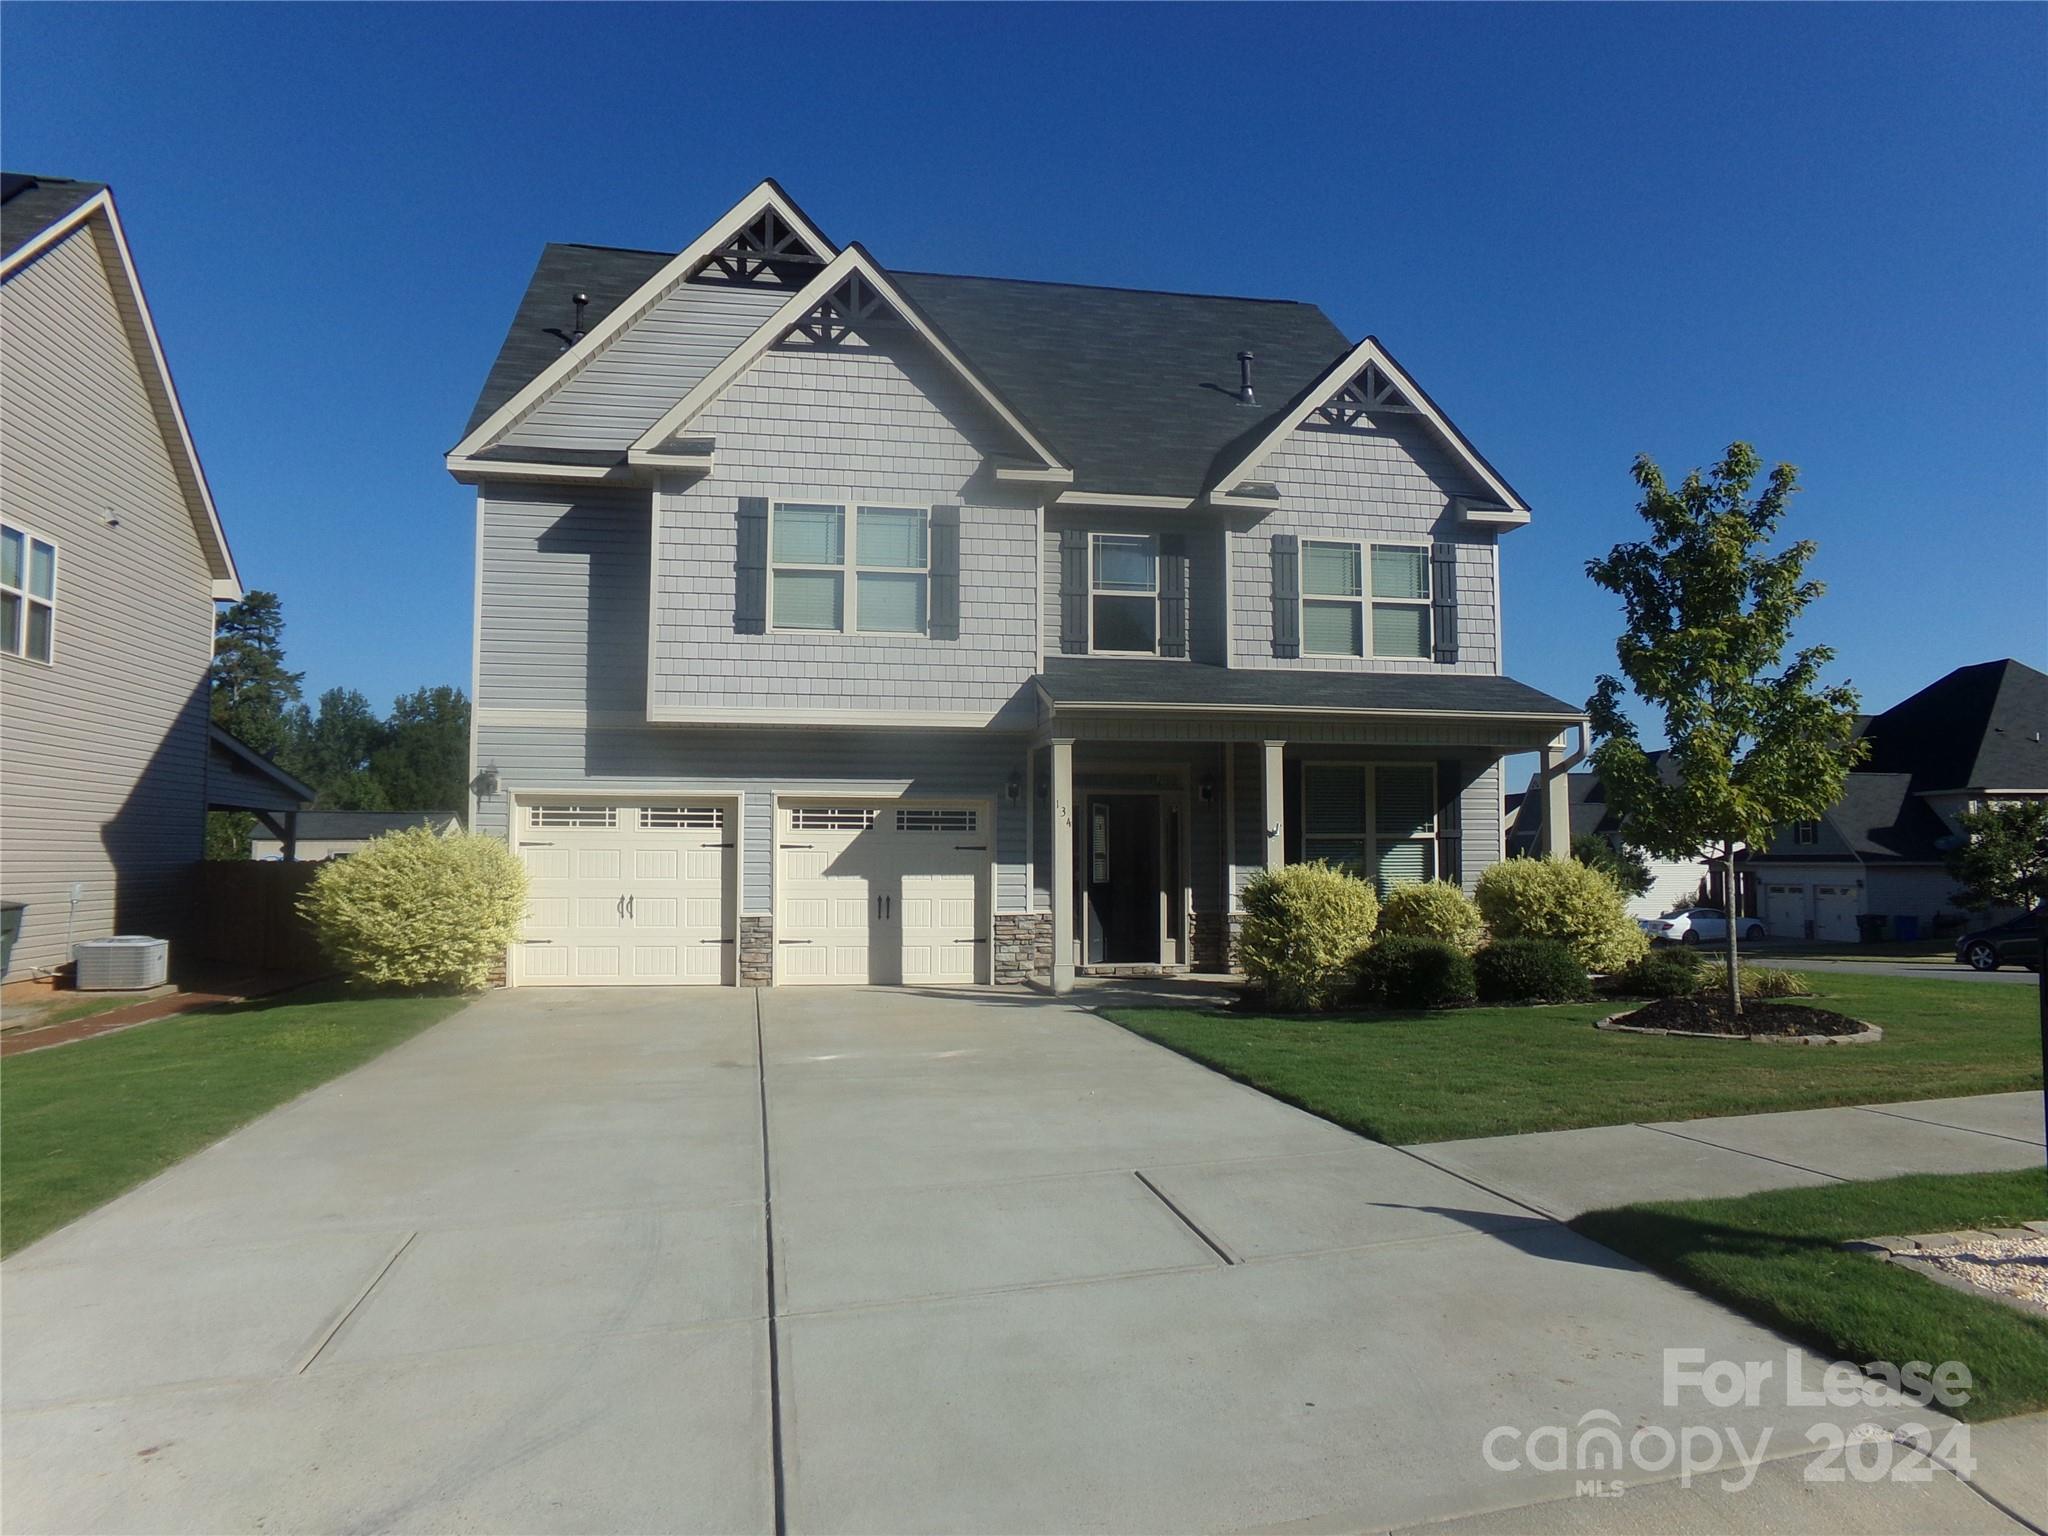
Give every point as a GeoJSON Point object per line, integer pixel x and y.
{"type": "Point", "coordinates": [1303, 924]}
{"type": "Point", "coordinates": [1564, 900]}
{"type": "Point", "coordinates": [415, 909]}
{"type": "Point", "coordinates": [1433, 909]}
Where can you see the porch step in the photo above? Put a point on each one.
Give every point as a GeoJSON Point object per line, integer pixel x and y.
{"type": "Point", "coordinates": [1146, 972]}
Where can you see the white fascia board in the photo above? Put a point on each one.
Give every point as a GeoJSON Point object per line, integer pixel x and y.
{"type": "Point", "coordinates": [878, 719]}
{"type": "Point", "coordinates": [742, 213]}
{"type": "Point", "coordinates": [1468, 509]}
{"type": "Point", "coordinates": [1342, 372]}
{"type": "Point", "coordinates": [1114, 499]}
{"type": "Point", "coordinates": [849, 261]}
{"type": "Point", "coordinates": [475, 471]}
{"type": "Point", "coordinates": [1228, 503]}
{"type": "Point", "coordinates": [684, 463]}
{"type": "Point", "coordinates": [156, 381]}
{"type": "Point", "coordinates": [1470, 716]}
{"type": "Point", "coordinates": [1045, 476]}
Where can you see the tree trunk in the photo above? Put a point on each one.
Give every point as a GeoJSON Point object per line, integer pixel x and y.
{"type": "Point", "coordinates": [1734, 922]}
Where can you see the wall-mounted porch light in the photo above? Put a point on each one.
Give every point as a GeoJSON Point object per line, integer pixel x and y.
{"type": "Point", "coordinates": [485, 784]}
{"type": "Point", "coordinates": [1014, 790]}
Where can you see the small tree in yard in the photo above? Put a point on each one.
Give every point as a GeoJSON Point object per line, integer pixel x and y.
{"type": "Point", "coordinates": [1755, 742]}
{"type": "Point", "coordinates": [2005, 861]}
{"type": "Point", "coordinates": [1625, 866]}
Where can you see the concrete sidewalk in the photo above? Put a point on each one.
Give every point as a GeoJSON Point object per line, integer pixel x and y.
{"type": "Point", "coordinates": [1564, 1173]}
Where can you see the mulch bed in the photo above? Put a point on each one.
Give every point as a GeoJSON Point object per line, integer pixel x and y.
{"type": "Point", "coordinates": [1714, 1016]}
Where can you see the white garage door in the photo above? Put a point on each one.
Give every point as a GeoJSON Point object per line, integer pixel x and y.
{"type": "Point", "coordinates": [1834, 912]}
{"type": "Point", "coordinates": [627, 894]}
{"type": "Point", "coordinates": [1785, 911]}
{"type": "Point", "coordinates": [881, 893]}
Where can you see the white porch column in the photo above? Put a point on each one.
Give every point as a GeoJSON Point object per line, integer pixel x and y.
{"type": "Point", "coordinates": [1557, 806]}
{"type": "Point", "coordinates": [1063, 866]}
{"type": "Point", "coordinates": [1276, 807]}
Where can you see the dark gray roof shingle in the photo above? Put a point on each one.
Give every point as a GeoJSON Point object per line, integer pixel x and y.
{"type": "Point", "coordinates": [1980, 727]}
{"type": "Point", "coordinates": [1093, 680]}
{"type": "Point", "coordinates": [31, 204]}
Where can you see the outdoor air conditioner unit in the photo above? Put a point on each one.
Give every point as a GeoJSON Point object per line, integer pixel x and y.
{"type": "Point", "coordinates": [124, 963]}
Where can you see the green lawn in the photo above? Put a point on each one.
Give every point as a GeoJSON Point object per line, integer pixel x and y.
{"type": "Point", "coordinates": [81, 1123]}
{"type": "Point", "coordinates": [1774, 1257]}
{"type": "Point", "coordinates": [1406, 1077]}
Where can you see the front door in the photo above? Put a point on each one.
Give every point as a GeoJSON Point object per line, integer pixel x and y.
{"type": "Point", "coordinates": [1121, 877]}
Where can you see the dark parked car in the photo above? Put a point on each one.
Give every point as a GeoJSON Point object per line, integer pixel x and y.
{"type": "Point", "coordinates": [2017, 942]}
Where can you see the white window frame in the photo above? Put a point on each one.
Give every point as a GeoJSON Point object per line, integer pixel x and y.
{"type": "Point", "coordinates": [1151, 541]}
{"type": "Point", "coordinates": [849, 569]}
{"type": "Point", "coordinates": [16, 645]}
{"type": "Point", "coordinates": [1362, 602]}
{"type": "Point", "coordinates": [1427, 602]}
{"type": "Point", "coordinates": [1372, 838]}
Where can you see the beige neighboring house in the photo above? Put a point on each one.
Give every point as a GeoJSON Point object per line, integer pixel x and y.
{"type": "Point", "coordinates": [333, 834]}
{"type": "Point", "coordinates": [112, 557]}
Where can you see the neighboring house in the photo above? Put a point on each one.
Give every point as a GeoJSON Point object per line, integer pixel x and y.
{"type": "Point", "coordinates": [317, 835]}
{"type": "Point", "coordinates": [1674, 883]}
{"type": "Point", "coordinates": [1973, 737]}
{"type": "Point", "coordinates": [111, 559]}
{"type": "Point", "coordinates": [838, 624]}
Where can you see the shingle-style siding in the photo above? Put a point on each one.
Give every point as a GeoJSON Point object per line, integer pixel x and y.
{"type": "Point", "coordinates": [847, 424]}
{"type": "Point", "coordinates": [625, 389]}
{"type": "Point", "coordinates": [1205, 571]}
{"type": "Point", "coordinates": [757, 765]}
{"type": "Point", "coordinates": [564, 600]}
{"type": "Point", "coordinates": [1388, 481]}
{"type": "Point", "coordinates": [103, 757]}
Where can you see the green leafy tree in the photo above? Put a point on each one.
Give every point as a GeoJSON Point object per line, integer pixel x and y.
{"type": "Point", "coordinates": [1625, 866]}
{"type": "Point", "coordinates": [2004, 863]}
{"type": "Point", "coordinates": [333, 750]}
{"type": "Point", "coordinates": [250, 694]}
{"type": "Point", "coordinates": [422, 763]}
{"type": "Point", "coordinates": [1755, 742]}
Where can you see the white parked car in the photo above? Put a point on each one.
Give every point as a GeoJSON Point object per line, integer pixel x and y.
{"type": "Point", "coordinates": [1697, 925]}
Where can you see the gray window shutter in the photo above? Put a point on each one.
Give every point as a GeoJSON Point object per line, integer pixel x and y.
{"type": "Point", "coordinates": [1443, 591]}
{"type": "Point", "coordinates": [1074, 591]}
{"type": "Point", "coordinates": [1286, 595]}
{"type": "Point", "coordinates": [943, 615]}
{"type": "Point", "coordinates": [1450, 826]}
{"type": "Point", "coordinates": [750, 589]}
{"type": "Point", "coordinates": [1173, 594]}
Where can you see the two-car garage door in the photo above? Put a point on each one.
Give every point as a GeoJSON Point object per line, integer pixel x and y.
{"type": "Point", "coordinates": [645, 893]}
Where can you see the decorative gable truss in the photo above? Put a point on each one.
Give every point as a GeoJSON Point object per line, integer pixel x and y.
{"type": "Point", "coordinates": [851, 300]}
{"type": "Point", "coordinates": [1368, 382]}
{"type": "Point", "coordinates": [769, 249]}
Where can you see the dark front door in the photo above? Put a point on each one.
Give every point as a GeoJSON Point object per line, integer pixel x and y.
{"type": "Point", "coordinates": [1120, 872]}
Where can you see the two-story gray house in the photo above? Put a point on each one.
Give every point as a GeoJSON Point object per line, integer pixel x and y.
{"type": "Point", "coordinates": [838, 624]}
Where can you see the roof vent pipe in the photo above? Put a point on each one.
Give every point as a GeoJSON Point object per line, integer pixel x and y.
{"type": "Point", "coordinates": [582, 299]}
{"type": "Point", "coordinates": [1244, 380]}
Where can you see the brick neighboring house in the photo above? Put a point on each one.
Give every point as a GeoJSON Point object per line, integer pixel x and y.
{"type": "Point", "coordinates": [1973, 737]}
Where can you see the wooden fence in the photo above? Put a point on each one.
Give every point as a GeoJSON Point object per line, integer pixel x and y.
{"type": "Point", "coordinates": [248, 915]}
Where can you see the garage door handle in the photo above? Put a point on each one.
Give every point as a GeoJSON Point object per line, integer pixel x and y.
{"type": "Point", "coordinates": [797, 845]}
{"type": "Point", "coordinates": [629, 906]}
{"type": "Point", "coordinates": [714, 941]}
{"type": "Point", "coordinates": [792, 941]}
{"type": "Point", "coordinates": [970, 847]}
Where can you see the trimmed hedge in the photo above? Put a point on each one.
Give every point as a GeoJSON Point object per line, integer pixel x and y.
{"type": "Point", "coordinates": [1400, 971]}
{"type": "Point", "coordinates": [1529, 971]}
{"type": "Point", "coordinates": [1564, 900]}
{"type": "Point", "coordinates": [415, 909]}
{"type": "Point", "coordinates": [1433, 909]}
{"type": "Point", "coordinates": [1303, 923]}
{"type": "Point", "coordinates": [1662, 973]}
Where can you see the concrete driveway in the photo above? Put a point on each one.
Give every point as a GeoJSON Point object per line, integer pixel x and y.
{"type": "Point", "coordinates": [1020, 1271]}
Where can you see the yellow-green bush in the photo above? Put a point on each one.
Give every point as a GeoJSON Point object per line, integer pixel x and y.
{"type": "Point", "coordinates": [1565, 900]}
{"type": "Point", "coordinates": [1303, 924]}
{"type": "Point", "coordinates": [1433, 909]}
{"type": "Point", "coordinates": [415, 909]}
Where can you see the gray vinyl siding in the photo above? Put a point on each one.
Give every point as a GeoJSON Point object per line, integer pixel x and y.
{"type": "Point", "coordinates": [847, 424]}
{"type": "Point", "coordinates": [1479, 811]}
{"type": "Point", "coordinates": [657, 360]}
{"type": "Point", "coordinates": [103, 758]}
{"type": "Point", "coordinates": [1205, 570]}
{"type": "Point", "coordinates": [758, 765]}
{"type": "Point", "coordinates": [564, 611]}
{"type": "Point", "coordinates": [1389, 481]}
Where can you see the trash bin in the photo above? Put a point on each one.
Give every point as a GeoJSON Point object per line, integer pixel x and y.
{"type": "Point", "coordinates": [1870, 927]}
{"type": "Point", "coordinates": [11, 914]}
{"type": "Point", "coordinates": [1905, 929]}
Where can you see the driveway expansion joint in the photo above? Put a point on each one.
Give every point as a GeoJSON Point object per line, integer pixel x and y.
{"type": "Point", "coordinates": [1946, 1125]}
{"type": "Point", "coordinates": [341, 1320]}
{"type": "Point", "coordinates": [1215, 1247]}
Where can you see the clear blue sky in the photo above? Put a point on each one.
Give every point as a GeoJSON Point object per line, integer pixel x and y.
{"type": "Point", "coordinates": [1590, 231]}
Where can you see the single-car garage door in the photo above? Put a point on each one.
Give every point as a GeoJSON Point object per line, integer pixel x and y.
{"type": "Point", "coordinates": [1785, 911]}
{"type": "Point", "coordinates": [881, 893]}
{"type": "Point", "coordinates": [1834, 913]}
{"type": "Point", "coordinates": [627, 894]}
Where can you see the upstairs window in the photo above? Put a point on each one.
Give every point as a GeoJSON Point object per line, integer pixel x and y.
{"type": "Point", "coordinates": [1806, 833]}
{"type": "Point", "coordinates": [1123, 594]}
{"type": "Point", "coordinates": [1332, 599]}
{"type": "Point", "coordinates": [890, 570]}
{"type": "Point", "coordinates": [28, 593]}
{"type": "Point", "coordinates": [1400, 600]}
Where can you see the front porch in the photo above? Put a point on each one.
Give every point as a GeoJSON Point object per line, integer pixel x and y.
{"type": "Point", "coordinates": [1158, 789]}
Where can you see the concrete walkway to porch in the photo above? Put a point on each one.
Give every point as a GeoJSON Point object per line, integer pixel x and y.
{"type": "Point", "coordinates": [1564, 1173]}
